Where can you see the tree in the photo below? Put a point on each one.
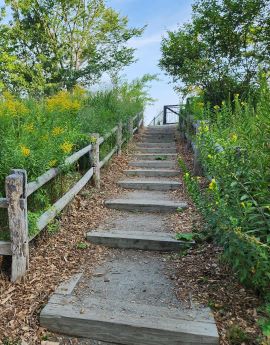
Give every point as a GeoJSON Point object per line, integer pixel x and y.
{"type": "Point", "coordinates": [222, 50]}
{"type": "Point", "coordinates": [59, 43]}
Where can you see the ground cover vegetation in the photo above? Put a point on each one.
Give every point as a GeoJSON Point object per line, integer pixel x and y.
{"type": "Point", "coordinates": [220, 61]}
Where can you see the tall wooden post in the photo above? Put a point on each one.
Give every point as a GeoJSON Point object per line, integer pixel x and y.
{"type": "Point", "coordinates": [95, 159]}
{"type": "Point", "coordinates": [130, 127]}
{"type": "Point", "coordinates": [119, 138]}
{"type": "Point", "coordinates": [16, 191]}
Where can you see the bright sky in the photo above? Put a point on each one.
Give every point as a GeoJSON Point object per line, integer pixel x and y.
{"type": "Point", "coordinates": [159, 16]}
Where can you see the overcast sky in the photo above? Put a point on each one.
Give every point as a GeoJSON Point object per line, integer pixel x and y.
{"type": "Point", "coordinates": [159, 16]}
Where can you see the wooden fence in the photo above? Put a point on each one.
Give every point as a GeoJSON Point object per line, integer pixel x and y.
{"type": "Point", "coordinates": [18, 189]}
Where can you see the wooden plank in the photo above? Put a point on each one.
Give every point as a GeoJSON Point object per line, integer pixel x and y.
{"type": "Point", "coordinates": [50, 174]}
{"type": "Point", "coordinates": [108, 157]}
{"type": "Point", "coordinates": [77, 155]}
{"type": "Point", "coordinates": [128, 323]}
{"type": "Point", "coordinates": [18, 225]}
{"type": "Point", "coordinates": [95, 160]}
{"type": "Point", "coordinates": [135, 130]}
{"type": "Point", "coordinates": [3, 203]}
{"type": "Point", "coordinates": [119, 136]}
{"type": "Point", "coordinates": [49, 215]}
{"type": "Point", "coordinates": [41, 180]}
{"type": "Point", "coordinates": [5, 248]}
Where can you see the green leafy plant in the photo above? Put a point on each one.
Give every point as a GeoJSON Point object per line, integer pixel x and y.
{"type": "Point", "coordinates": [82, 245]}
{"type": "Point", "coordinates": [237, 335]}
{"type": "Point", "coordinates": [161, 158]}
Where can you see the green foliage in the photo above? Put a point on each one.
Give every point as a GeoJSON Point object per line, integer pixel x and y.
{"type": "Point", "coordinates": [51, 45]}
{"type": "Point", "coordinates": [220, 52]}
{"type": "Point", "coordinates": [161, 158]}
{"type": "Point", "coordinates": [38, 136]}
{"type": "Point", "coordinates": [237, 335]}
{"type": "Point", "coordinates": [188, 237]}
{"type": "Point", "coordinates": [82, 245]}
{"type": "Point", "coordinates": [265, 321]}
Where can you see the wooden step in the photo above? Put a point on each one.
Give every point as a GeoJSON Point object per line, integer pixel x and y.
{"type": "Point", "coordinates": [122, 322]}
{"type": "Point", "coordinates": [155, 156]}
{"type": "Point", "coordinates": [159, 150]}
{"type": "Point", "coordinates": [159, 145]}
{"type": "Point", "coordinates": [141, 240]}
{"type": "Point", "coordinates": [162, 184]}
{"type": "Point", "coordinates": [152, 172]}
{"type": "Point", "coordinates": [153, 164]}
{"type": "Point", "coordinates": [150, 205]}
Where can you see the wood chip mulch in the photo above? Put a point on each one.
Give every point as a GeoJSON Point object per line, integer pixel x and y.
{"type": "Point", "coordinates": [56, 257]}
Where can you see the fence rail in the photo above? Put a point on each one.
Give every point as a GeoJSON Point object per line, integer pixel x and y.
{"type": "Point", "coordinates": [18, 190]}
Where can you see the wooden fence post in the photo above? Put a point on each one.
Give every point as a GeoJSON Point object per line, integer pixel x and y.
{"type": "Point", "coordinates": [141, 118]}
{"type": "Point", "coordinates": [130, 127]}
{"type": "Point", "coordinates": [95, 159]}
{"type": "Point", "coordinates": [16, 191]}
{"type": "Point", "coordinates": [119, 138]}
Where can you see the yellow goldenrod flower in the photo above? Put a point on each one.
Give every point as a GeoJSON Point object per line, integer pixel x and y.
{"type": "Point", "coordinates": [52, 163]}
{"type": "Point", "coordinates": [63, 101]}
{"type": "Point", "coordinates": [213, 185]}
{"type": "Point", "coordinates": [66, 147]}
{"type": "Point", "coordinates": [186, 175]}
{"type": "Point", "coordinates": [29, 127]}
{"type": "Point", "coordinates": [233, 137]}
{"type": "Point", "coordinates": [216, 107]}
{"type": "Point", "coordinates": [25, 151]}
{"type": "Point", "coordinates": [57, 131]}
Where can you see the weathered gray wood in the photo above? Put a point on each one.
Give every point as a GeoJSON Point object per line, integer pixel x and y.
{"type": "Point", "coordinates": [3, 203]}
{"type": "Point", "coordinates": [143, 205]}
{"type": "Point", "coordinates": [95, 160]}
{"type": "Point", "coordinates": [67, 287]}
{"type": "Point", "coordinates": [128, 323]}
{"type": "Point", "coordinates": [135, 130]}
{"type": "Point", "coordinates": [108, 157]}
{"type": "Point", "coordinates": [106, 136]}
{"type": "Point", "coordinates": [50, 174]}
{"type": "Point", "coordinates": [153, 184]}
{"type": "Point", "coordinates": [141, 240]}
{"type": "Point", "coordinates": [119, 138]}
{"type": "Point", "coordinates": [5, 248]}
{"type": "Point", "coordinates": [41, 180]}
{"type": "Point", "coordinates": [130, 127]}
{"type": "Point", "coordinates": [152, 172]}
{"type": "Point", "coordinates": [49, 215]}
{"type": "Point", "coordinates": [18, 224]}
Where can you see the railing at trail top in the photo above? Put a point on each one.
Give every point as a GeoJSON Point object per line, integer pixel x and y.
{"type": "Point", "coordinates": [169, 115]}
{"type": "Point", "coordinates": [18, 190]}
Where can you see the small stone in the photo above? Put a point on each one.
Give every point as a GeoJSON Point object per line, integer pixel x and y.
{"type": "Point", "coordinates": [106, 280]}
{"type": "Point", "coordinates": [98, 274]}
{"type": "Point", "coordinates": [82, 311]}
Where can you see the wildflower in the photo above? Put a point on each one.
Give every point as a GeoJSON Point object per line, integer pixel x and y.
{"type": "Point", "coordinates": [213, 185]}
{"type": "Point", "coordinates": [186, 175]}
{"type": "Point", "coordinates": [216, 107]}
{"type": "Point", "coordinates": [66, 147]}
{"type": "Point", "coordinates": [63, 101]}
{"type": "Point", "coordinates": [243, 204]}
{"type": "Point", "coordinates": [29, 127]}
{"type": "Point", "coordinates": [200, 105]}
{"type": "Point", "coordinates": [236, 96]}
{"type": "Point", "coordinates": [210, 156]}
{"type": "Point", "coordinates": [243, 103]}
{"type": "Point", "coordinates": [233, 137]}
{"type": "Point", "coordinates": [223, 103]}
{"type": "Point", "coordinates": [52, 163]}
{"type": "Point", "coordinates": [25, 151]}
{"type": "Point", "coordinates": [57, 131]}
